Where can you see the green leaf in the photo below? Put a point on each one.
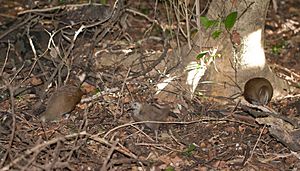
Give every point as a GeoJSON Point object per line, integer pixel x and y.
{"type": "Point", "coordinates": [216, 34]}
{"type": "Point", "coordinates": [169, 168]}
{"type": "Point", "coordinates": [206, 23]}
{"type": "Point", "coordinates": [201, 54]}
{"type": "Point", "coordinates": [103, 1]}
{"type": "Point", "coordinates": [191, 148]}
{"type": "Point", "coordinates": [98, 90]}
{"type": "Point", "coordinates": [230, 20]}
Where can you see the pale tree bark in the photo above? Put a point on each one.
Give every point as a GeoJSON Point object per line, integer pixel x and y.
{"type": "Point", "coordinates": [239, 61]}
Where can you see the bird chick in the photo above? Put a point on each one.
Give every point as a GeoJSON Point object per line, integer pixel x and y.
{"type": "Point", "coordinates": [258, 91]}
{"type": "Point", "coordinates": [62, 101]}
{"type": "Point", "coordinates": [146, 112]}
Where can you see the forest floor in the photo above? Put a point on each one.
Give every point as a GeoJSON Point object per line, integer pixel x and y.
{"type": "Point", "coordinates": [99, 134]}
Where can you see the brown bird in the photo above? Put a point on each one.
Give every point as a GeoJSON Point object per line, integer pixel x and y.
{"type": "Point", "coordinates": [258, 91]}
{"type": "Point", "coordinates": [147, 112]}
{"type": "Point", "coordinates": [62, 101]}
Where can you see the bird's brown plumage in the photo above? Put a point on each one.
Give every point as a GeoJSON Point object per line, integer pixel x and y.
{"type": "Point", "coordinates": [258, 91]}
{"type": "Point", "coordinates": [62, 101]}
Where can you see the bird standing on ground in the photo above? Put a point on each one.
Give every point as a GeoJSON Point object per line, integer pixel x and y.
{"type": "Point", "coordinates": [147, 112]}
{"type": "Point", "coordinates": [63, 100]}
{"type": "Point", "coordinates": [258, 91]}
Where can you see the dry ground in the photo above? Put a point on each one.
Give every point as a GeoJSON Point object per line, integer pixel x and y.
{"type": "Point", "coordinates": [99, 134]}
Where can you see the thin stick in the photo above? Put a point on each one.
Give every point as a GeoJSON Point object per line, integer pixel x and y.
{"type": "Point", "coordinates": [252, 152]}
{"type": "Point", "coordinates": [56, 8]}
{"type": "Point", "coordinates": [122, 90]}
{"type": "Point", "coordinates": [11, 92]}
{"type": "Point", "coordinates": [183, 123]}
{"type": "Point", "coordinates": [112, 149]}
{"type": "Point", "coordinates": [6, 58]}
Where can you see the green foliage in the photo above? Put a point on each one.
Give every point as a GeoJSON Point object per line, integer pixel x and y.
{"type": "Point", "coordinates": [207, 23]}
{"type": "Point", "coordinates": [103, 2]}
{"type": "Point", "coordinates": [189, 150]}
{"type": "Point", "coordinates": [19, 98]}
{"type": "Point", "coordinates": [216, 34]}
{"type": "Point", "coordinates": [230, 20]}
{"type": "Point", "coordinates": [169, 168]}
{"type": "Point", "coordinates": [207, 56]}
{"type": "Point", "coordinates": [98, 90]}
{"type": "Point", "coordinates": [276, 49]}
{"type": "Point", "coordinates": [201, 54]}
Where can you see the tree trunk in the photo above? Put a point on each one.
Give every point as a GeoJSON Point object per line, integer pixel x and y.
{"type": "Point", "coordinates": [239, 61]}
